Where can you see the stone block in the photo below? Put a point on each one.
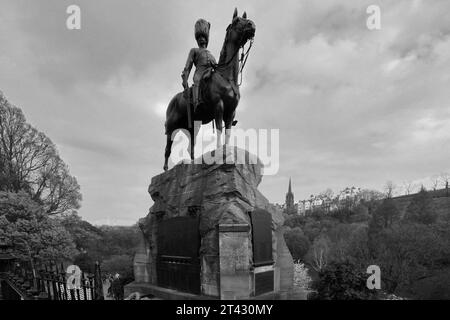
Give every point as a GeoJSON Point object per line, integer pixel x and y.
{"type": "Point", "coordinates": [217, 194]}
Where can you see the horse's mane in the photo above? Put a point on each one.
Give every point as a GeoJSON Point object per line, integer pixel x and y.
{"type": "Point", "coordinates": [223, 52]}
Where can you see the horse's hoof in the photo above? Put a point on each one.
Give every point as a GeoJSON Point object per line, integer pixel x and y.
{"type": "Point", "coordinates": [165, 168]}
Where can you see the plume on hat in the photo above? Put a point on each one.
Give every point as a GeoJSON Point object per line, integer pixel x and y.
{"type": "Point", "coordinates": [202, 29]}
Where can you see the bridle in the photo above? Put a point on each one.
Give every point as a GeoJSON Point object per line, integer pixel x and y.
{"type": "Point", "coordinates": [243, 58]}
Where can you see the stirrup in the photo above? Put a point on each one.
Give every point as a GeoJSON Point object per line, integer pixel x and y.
{"type": "Point", "coordinates": [234, 123]}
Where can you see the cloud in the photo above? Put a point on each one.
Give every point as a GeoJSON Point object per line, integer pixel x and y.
{"type": "Point", "coordinates": [354, 107]}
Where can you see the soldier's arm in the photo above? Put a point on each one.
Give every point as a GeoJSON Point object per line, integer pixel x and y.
{"type": "Point", "coordinates": [188, 67]}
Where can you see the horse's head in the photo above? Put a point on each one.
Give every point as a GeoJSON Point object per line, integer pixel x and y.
{"type": "Point", "coordinates": [241, 29]}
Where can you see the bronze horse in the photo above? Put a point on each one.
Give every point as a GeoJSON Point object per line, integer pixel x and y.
{"type": "Point", "coordinates": [220, 95]}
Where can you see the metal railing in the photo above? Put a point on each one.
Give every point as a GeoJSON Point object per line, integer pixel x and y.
{"type": "Point", "coordinates": [49, 282]}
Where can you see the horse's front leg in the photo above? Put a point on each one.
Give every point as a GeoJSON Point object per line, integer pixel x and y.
{"type": "Point", "coordinates": [228, 125]}
{"type": "Point", "coordinates": [193, 133]}
{"type": "Point", "coordinates": [219, 123]}
{"type": "Point", "coordinates": [168, 150]}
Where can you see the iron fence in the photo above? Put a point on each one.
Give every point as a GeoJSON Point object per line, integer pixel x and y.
{"type": "Point", "coordinates": [49, 282]}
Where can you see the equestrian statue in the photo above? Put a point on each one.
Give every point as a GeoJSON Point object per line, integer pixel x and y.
{"type": "Point", "coordinates": [215, 94]}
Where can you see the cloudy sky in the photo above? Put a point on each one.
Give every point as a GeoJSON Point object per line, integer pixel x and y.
{"type": "Point", "coordinates": [354, 107]}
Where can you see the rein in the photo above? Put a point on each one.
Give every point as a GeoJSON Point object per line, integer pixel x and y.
{"type": "Point", "coordinates": [242, 60]}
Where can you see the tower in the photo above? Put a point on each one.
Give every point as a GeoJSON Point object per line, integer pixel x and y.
{"type": "Point", "coordinates": [290, 207]}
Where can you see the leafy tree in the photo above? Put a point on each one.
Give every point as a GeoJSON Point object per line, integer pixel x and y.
{"type": "Point", "coordinates": [312, 229]}
{"type": "Point", "coordinates": [344, 241]}
{"type": "Point", "coordinates": [421, 208]}
{"type": "Point", "coordinates": [297, 243]}
{"type": "Point", "coordinates": [318, 213]}
{"type": "Point", "coordinates": [442, 230]}
{"type": "Point", "coordinates": [342, 214]}
{"type": "Point", "coordinates": [385, 215]}
{"type": "Point", "coordinates": [342, 281]}
{"type": "Point", "coordinates": [85, 235]}
{"type": "Point", "coordinates": [360, 214]}
{"type": "Point", "coordinates": [407, 252]}
{"type": "Point", "coordinates": [33, 234]}
{"type": "Point", "coordinates": [294, 221]}
{"type": "Point", "coordinates": [347, 242]}
{"type": "Point", "coordinates": [85, 262]}
{"type": "Point", "coordinates": [358, 246]}
{"type": "Point", "coordinates": [121, 264]}
{"type": "Point", "coordinates": [29, 161]}
{"type": "Point", "coordinates": [119, 240]}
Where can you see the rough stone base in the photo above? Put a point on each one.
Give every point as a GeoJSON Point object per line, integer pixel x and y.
{"type": "Point", "coordinates": [222, 197]}
{"type": "Point", "coordinates": [169, 294]}
{"type": "Point", "coordinates": [162, 293]}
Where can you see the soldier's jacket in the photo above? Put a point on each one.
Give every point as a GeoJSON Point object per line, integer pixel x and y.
{"type": "Point", "coordinates": [202, 59]}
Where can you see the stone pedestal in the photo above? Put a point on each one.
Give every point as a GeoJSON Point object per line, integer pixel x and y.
{"type": "Point", "coordinates": [221, 197]}
{"type": "Point", "coordinates": [141, 264]}
{"type": "Point", "coordinates": [235, 269]}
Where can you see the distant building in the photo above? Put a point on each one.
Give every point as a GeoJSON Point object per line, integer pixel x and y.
{"type": "Point", "coordinates": [301, 211]}
{"type": "Point", "coordinates": [327, 203]}
{"type": "Point", "coordinates": [349, 193]}
{"type": "Point", "coordinates": [290, 207]}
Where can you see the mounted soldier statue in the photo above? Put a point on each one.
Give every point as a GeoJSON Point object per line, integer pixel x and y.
{"type": "Point", "coordinates": [215, 94]}
{"type": "Point", "coordinates": [204, 61]}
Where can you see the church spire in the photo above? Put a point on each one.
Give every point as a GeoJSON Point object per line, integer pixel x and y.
{"type": "Point", "coordinates": [290, 206]}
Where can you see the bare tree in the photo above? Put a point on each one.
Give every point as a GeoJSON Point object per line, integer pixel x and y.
{"type": "Point", "coordinates": [389, 189]}
{"type": "Point", "coordinates": [30, 162]}
{"type": "Point", "coordinates": [319, 252]}
{"type": "Point", "coordinates": [445, 178]}
{"type": "Point", "coordinates": [370, 194]}
{"type": "Point", "coordinates": [435, 179]}
{"type": "Point", "coordinates": [320, 259]}
{"type": "Point", "coordinates": [409, 187]}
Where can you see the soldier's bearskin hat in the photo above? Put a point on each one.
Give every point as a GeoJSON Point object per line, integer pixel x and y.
{"type": "Point", "coordinates": [202, 29]}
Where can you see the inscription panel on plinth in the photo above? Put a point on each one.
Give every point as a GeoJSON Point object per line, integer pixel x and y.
{"type": "Point", "coordinates": [235, 276]}
{"type": "Point", "coordinates": [264, 275]}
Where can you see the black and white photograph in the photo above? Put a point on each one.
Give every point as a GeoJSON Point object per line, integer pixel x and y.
{"type": "Point", "coordinates": [255, 152]}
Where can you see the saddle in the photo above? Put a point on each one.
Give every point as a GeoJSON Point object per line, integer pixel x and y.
{"type": "Point", "coordinates": [202, 86]}
{"type": "Point", "coordinates": [202, 95]}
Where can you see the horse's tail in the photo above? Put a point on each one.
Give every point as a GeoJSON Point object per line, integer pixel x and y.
{"type": "Point", "coordinates": [171, 114]}
{"type": "Point", "coordinates": [169, 108]}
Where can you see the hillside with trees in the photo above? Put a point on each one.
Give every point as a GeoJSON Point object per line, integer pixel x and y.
{"type": "Point", "coordinates": [412, 248]}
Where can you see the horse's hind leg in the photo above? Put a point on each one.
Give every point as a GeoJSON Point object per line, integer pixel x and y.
{"type": "Point", "coordinates": [190, 135]}
{"type": "Point", "coordinates": [219, 123]}
{"type": "Point", "coordinates": [168, 150]}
